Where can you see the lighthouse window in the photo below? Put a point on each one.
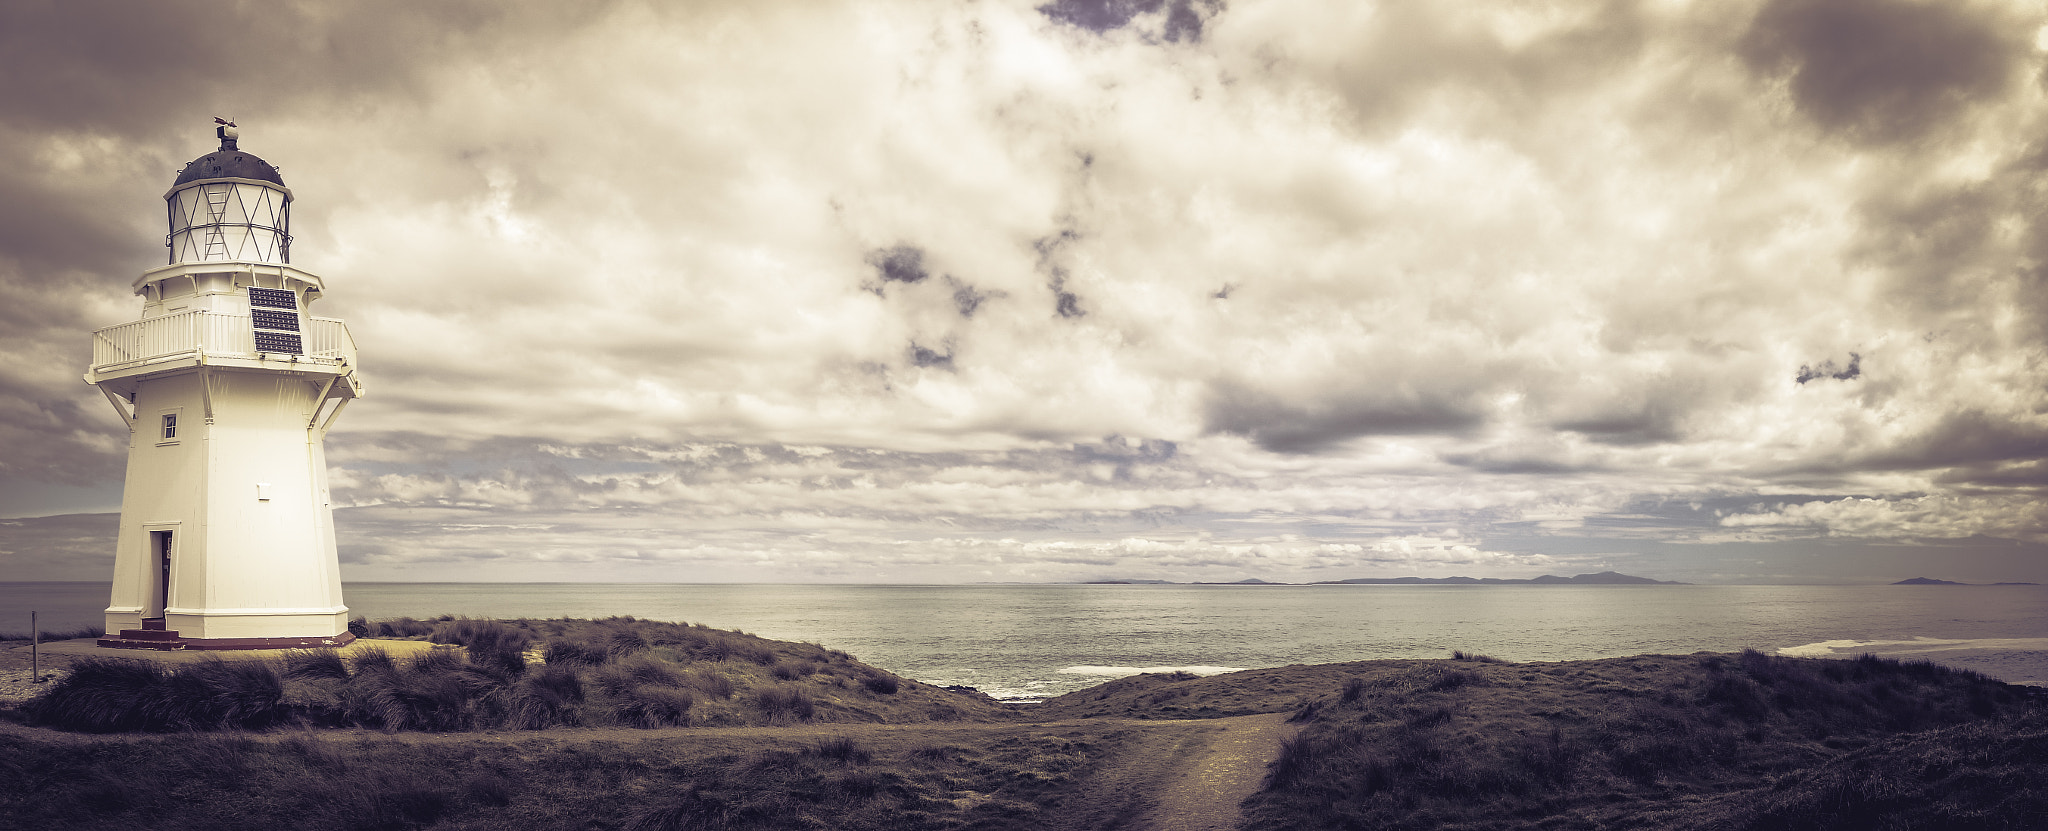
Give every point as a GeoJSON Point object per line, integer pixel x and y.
{"type": "Point", "coordinates": [170, 426]}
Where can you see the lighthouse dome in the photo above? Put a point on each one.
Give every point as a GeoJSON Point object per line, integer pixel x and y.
{"type": "Point", "coordinates": [229, 163]}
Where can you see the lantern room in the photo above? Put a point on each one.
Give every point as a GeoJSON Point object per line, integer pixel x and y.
{"type": "Point", "coordinates": [229, 205]}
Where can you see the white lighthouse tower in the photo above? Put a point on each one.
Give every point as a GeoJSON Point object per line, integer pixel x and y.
{"type": "Point", "coordinates": [228, 386]}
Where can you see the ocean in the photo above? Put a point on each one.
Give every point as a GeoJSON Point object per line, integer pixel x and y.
{"type": "Point", "coordinates": [1025, 642]}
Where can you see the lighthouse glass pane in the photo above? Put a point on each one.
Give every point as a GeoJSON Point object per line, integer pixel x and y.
{"type": "Point", "coordinates": [274, 298]}
{"type": "Point", "coordinates": [229, 221]}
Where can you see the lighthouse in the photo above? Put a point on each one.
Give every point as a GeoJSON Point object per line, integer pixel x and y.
{"type": "Point", "coordinates": [228, 385]}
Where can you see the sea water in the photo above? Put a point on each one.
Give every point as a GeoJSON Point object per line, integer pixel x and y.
{"type": "Point", "coordinates": [1030, 641]}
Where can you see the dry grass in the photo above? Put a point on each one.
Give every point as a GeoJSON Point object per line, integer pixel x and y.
{"type": "Point", "coordinates": [1620, 743]}
{"type": "Point", "coordinates": [1002, 778]}
{"type": "Point", "coordinates": [1692, 742]}
{"type": "Point", "coordinates": [615, 672]}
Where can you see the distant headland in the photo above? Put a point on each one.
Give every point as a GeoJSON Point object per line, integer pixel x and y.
{"type": "Point", "coordinates": [1605, 578]}
{"type": "Point", "coordinates": [1929, 581]}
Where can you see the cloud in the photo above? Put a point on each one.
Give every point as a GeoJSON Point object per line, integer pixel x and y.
{"type": "Point", "coordinates": [1922, 517]}
{"type": "Point", "coordinates": [1827, 370]}
{"type": "Point", "coordinates": [1177, 20]}
{"type": "Point", "coordinates": [1354, 273]}
{"type": "Point", "coordinates": [1881, 72]}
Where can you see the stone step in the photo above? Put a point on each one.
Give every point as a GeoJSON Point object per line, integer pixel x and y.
{"type": "Point", "coordinates": [155, 623]}
{"type": "Point", "coordinates": [125, 643]}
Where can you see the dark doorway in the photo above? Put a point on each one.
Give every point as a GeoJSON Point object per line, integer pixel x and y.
{"type": "Point", "coordinates": [160, 596]}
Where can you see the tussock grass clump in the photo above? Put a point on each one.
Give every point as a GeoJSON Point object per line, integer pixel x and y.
{"type": "Point", "coordinates": [841, 749]}
{"type": "Point", "coordinates": [651, 706]}
{"type": "Point", "coordinates": [548, 697]}
{"type": "Point", "coordinates": [315, 664]}
{"type": "Point", "coordinates": [110, 695]}
{"type": "Point", "coordinates": [784, 701]}
{"type": "Point", "coordinates": [404, 627]}
{"type": "Point", "coordinates": [49, 635]}
{"type": "Point", "coordinates": [489, 642]}
{"type": "Point", "coordinates": [103, 695]}
{"type": "Point", "coordinates": [564, 652]}
{"type": "Point", "coordinates": [1586, 744]}
{"type": "Point", "coordinates": [617, 671]}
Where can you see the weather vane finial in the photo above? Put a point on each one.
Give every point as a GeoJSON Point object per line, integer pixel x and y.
{"type": "Point", "coordinates": [227, 132]}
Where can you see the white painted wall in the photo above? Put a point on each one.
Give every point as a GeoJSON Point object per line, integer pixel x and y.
{"type": "Point", "coordinates": [243, 566]}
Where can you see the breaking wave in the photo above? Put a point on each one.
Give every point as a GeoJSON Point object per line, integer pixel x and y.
{"type": "Point", "coordinates": [1826, 649]}
{"type": "Point", "coordinates": [1121, 672]}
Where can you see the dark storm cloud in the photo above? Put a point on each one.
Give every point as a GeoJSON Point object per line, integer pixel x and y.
{"type": "Point", "coordinates": [1656, 421]}
{"type": "Point", "coordinates": [899, 264]}
{"type": "Point", "coordinates": [1827, 369]}
{"type": "Point", "coordinates": [1051, 251]}
{"type": "Point", "coordinates": [1318, 423]}
{"type": "Point", "coordinates": [131, 69]}
{"type": "Point", "coordinates": [1961, 438]}
{"type": "Point", "coordinates": [50, 438]}
{"type": "Point", "coordinates": [2023, 475]}
{"type": "Point", "coordinates": [967, 298]}
{"type": "Point", "coordinates": [1184, 18]}
{"type": "Point", "coordinates": [64, 547]}
{"type": "Point", "coordinates": [930, 358]}
{"type": "Point", "coordinates": [1883, 71]}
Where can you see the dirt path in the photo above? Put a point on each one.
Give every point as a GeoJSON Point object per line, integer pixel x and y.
{"type": "Point", "coordinates": [1178, 776]}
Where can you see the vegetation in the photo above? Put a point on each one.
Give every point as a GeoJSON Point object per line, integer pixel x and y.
{"type": "Point", "coordinates": [617, 672]}
{"type": "Point", "coordinates": [49, 635]}
{"type": "Point", "coordinates": [314, 780]}
{"type": "Point", "coordinates": [443, 739]}
{"type": "Point", "coordinates": [1650, 742]}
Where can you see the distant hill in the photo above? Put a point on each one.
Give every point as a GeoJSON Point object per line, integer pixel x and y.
{"type": "Point", "coordinates": [1929, 581]}
{"type": "Point", "coordinates": [1605, 578]}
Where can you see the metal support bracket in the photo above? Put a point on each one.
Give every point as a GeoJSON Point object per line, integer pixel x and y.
{"type": "Point", "coordinates": [332, 415]}
{"type": "Point", "coordinates": [126, 409]}
{"type": "Point", "coordinates": [321, 400]}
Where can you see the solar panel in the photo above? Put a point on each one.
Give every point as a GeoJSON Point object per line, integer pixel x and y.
{"type": "Point", "coordinates": [279, 342]}
{"type": "Point", "coordinates": [267, 319]}
{"type": "Point", "coordinates": [274, 298]}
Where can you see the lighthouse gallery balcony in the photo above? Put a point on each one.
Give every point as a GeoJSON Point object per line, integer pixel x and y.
{"type": "Point", "coordinates": [197, 338]}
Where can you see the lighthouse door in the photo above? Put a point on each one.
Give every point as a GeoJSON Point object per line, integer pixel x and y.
{"type": "Point", "coordinates": [160, 594]}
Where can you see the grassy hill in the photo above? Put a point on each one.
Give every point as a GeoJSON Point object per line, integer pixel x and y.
{"type": "Point", "coordinates": [631, 724]}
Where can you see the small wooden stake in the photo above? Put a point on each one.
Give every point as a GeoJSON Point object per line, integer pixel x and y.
{"type": "Point", "coordinates": [35, 649]}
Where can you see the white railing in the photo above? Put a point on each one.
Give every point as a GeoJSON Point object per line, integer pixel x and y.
{"type": "Point", "coordinates": [212, 333]}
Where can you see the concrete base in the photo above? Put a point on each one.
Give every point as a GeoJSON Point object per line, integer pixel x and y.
{"type": "Point", "coordinates": [168, 641]}
{"type": "Point", "coordinates": [62, 653]}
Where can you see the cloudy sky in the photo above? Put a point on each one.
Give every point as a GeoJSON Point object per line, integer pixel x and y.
{"type": "Point", "coordinates": [1193, 290]}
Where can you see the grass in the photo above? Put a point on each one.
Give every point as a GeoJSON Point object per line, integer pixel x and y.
{"type": "Point", "coordinates": [1745, 741]}
{"type": "Point", "coordinates": [319, 781]}
{"type": "Point", "coordinates": [618, 672]}
{"type": "Point", "coordinates": [49, 635]}
{"type": "Point", "coordinates": [1622, 743]}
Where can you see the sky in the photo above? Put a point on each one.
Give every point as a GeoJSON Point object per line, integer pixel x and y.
{"type": "Point", "coordinates": [1194, 290]}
